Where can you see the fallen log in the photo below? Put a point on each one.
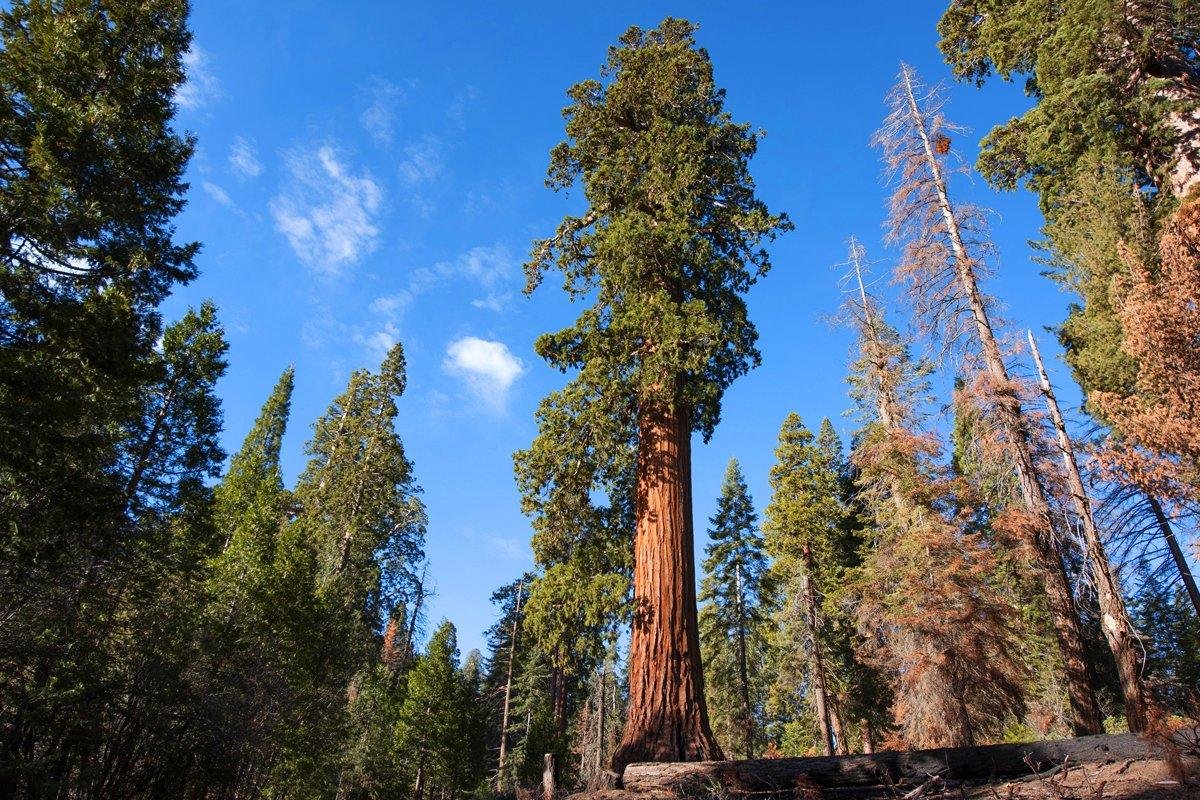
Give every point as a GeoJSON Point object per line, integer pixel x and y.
{"type": "Point", "coordinates": [887, 768]}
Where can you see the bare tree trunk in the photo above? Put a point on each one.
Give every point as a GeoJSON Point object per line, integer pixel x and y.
{"type": "Point", "coordinates": [1114, 618]}
{"type": "Point", "coordinates": [512, 658]}
{"type": "Point", "coordinates": [1086, 718]}
{"type": "Point", "coordinates": [743, 670]}
{"type": "Point", "coordinates": [668, 718]}
{"type": "Point", "coordinates": [416, 615]}
{"type": "Point", "coordinates": [839, 731]}
{"type": "Point", "coordinates": [820, 696]}
{"type": "Point", "coordinates": [549, 776]}
{"type": "Point", "coordinates": [868, 737]}
{"type": "Point", "coordinates": [600, 708]}
{"type": "Point", "coordinates": [1181, 564]}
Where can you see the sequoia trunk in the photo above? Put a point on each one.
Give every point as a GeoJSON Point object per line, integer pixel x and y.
{"type": "Point", "coordinates": [668, 719]}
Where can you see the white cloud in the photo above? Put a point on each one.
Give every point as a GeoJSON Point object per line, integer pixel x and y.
{"type": "Point", "coordinates": [493, 302]}
{"type": "Point", "coordinates": [378, 119]}
{"type": "Point", "coordinates": [379, 342]}
{"type": "Point", "coordinates": [488, 266]}
{"type": "Point", "coordinates": [243, 157]}
{"type": "Point", "coordinates": [488, 368]}
{"type": "Point", "coordinates": [217, 193]}
{"type": "Point", "coordinates": [422, 161]}
{"type": "Point", "coordinates": [328, 214]}
{"type": "Point", "coordinates": [512, 549]}
{"type": "Point", "coordinates": [201, 86]}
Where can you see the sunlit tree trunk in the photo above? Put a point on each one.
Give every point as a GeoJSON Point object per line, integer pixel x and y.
{"type": "Point", "coordinates": [668, 719]}
{"type": "Point", "coordinates": [820, 695]}
{"type": "Point", "coordinates": [512, 658]}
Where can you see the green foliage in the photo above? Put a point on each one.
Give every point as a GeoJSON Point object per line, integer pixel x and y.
{"type": "Point", "coordinates": [1163, 613]}
{"type": "Point", "coordinates": [1097, 70]}
{"type": "Point", "coordinates": [737, 597]}
{"type": "Point", "coordinates": [1101, 146]}
{"type": "Point", "coordinates": [439, 729]}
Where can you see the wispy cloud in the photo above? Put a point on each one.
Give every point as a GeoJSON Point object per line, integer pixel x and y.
{"type": "Point", "coordinates": [512, 549]}
{"type": "Point", "coordinates": [462, 100]}
{"type": "Point", "coordinates": [243, 157]}
{"type": "Point", "coordinates": [328, 214]}
{"type": "Point", "coordinates": [217, 193]}
{"type": "Point", "coordinates": [378, 119]}
{"type": "Point", "coordinates": [201, 87]}
{"type": "Point", "coordinates": [422, 161]}
{"type": "Point", "coordinates": [490, 267]}
{"type": "Point", "coordinates": [488, 368]}
{"type": "Point", "coordinates": [378, 342]}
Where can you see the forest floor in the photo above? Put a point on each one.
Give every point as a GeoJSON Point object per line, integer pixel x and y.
{"type": "Point", "coordinates": [1140, 779]}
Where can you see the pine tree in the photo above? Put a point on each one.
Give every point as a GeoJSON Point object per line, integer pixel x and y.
{"type": "Point", "coordinates": [92, 181]}
{"type": "Point", "coordinates": [667, 254]}
{"type": "Point", "coordinates": [803, 523]}
{"type": "Point", "coordinates": [1114, 82]}
{"type": "Point", "coordinates": [345, 562]}
{"type": "Point", "coordinates": [437, 728]}
{"type": "Point", "coordinates": [736, 600]}
{"type": "Point", "coordinates": [1159, 430]}
{"type": "Point", "coordinates": [172, 450]}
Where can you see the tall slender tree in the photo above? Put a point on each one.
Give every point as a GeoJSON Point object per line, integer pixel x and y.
{"type": "Point", "coordinates": [737, 596]}
{"type": "Point", "coordinates": [803, 520]}
{"type": "Point", "coordinates": [1118, 630]}
{"type": "Point", "coordinates": [944, 255]}
{"type": "Point", "coordinates": [92, 179]}
{"type": "Point", "coordinates": [670, 241]}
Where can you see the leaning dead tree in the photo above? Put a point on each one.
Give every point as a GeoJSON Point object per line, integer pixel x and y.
{"type": "Point", "coordinates": [944, 247]}
{"type": "Point", "coordinates": [1118, 630]}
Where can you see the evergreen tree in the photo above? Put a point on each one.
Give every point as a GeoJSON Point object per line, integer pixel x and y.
{"type": "Point", "coordinates": [92, 179]}
{"type": "Point", "coordinates": [803, 523]}
{"type": "Point", "coordinates": [438, 729]}
{"type": "Point", "coordinates": [1114, 83]}
{"type": "Point", "coordinates": [348, 558]}
{"type": "Point", "coordinates": [247, 603]}
{"type": "Point", "coordinates": [667, 254]}
{"type": "Point", "coordinates": [736, 601]}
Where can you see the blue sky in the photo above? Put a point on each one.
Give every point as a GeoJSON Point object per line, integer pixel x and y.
{"type": "Point", "coordinates": [373, 171]}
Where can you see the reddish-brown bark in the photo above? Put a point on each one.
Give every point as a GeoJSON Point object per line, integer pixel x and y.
{"type": "Point", "coordinates": [668, 719]}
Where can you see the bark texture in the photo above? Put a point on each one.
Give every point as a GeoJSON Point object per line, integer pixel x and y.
{"type": "Point", "coordinates": [668, 719]}
{"type": "Point", "coordinates": [820, 694]}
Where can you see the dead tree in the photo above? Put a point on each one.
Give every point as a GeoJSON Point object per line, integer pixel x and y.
{"type": "Point", "coordinates": [942, 265]}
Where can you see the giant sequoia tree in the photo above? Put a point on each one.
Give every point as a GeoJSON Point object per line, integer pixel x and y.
{"type": "Point", "coordinates": [668, 244]}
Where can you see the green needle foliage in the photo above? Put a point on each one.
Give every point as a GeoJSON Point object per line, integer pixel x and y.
{"type": "Point", "coordinates": [439, 729]}
{"type": "Point", "coordinates": [669, 242]}
{"type": "Point", "coordinates": [737, 597]}
{"type": "Point", "coordinates": [1107, 146]}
